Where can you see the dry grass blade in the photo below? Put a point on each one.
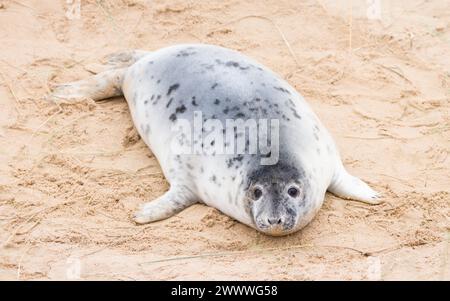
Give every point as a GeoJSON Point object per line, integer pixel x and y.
{"type": "Point", "coordinates": [283, 37]}
{"type": "Point", "coordinates": [111, 18]}
{"type": "Point", "coordinates": [231, 253]}
{"type": "Point", "coordinates": [222, 254]}
{"type": "Point", "coordinates": [396, 72]}
{"type": "Point", "coordinates": [11, 90]}
{"type": "Point", "coordinates": [19, 264]}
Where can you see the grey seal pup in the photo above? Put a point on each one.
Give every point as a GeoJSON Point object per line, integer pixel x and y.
{"type": "Point", "coordinates": [186, 100]}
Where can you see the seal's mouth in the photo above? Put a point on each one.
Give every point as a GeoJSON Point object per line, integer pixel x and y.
{"type": "Point", "coordinates": [275, 231]}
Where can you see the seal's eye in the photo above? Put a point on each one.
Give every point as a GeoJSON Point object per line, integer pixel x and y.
{"type": "Point", "coordinates": [257, 193]}
{"type": "Point", "coordinates": [293, 192]}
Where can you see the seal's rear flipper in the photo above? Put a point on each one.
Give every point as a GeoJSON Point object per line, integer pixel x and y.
{"type": "Point", "coordinates": [103, 85]}
{"type": "Point", "coordinates": [346, 186]}
{"type": "Point", "coordinates": [173, 201]}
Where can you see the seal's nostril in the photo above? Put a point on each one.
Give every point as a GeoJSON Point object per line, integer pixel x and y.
{"type": "Point", "coordinates": [274, 220]}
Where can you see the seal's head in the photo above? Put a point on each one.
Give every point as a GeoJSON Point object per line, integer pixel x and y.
{"type": "Point", "coordinates": [277, 198]}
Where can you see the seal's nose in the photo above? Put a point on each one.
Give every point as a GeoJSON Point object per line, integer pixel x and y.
{"type": "Point", "coordinates": [274, 221]}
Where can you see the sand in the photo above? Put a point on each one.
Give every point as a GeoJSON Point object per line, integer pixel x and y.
{"type": "Point", "coordinates": [71, 175]}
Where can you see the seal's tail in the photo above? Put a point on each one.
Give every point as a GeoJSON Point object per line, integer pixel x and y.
{"type": "Point", "coordinates": [103, 85]}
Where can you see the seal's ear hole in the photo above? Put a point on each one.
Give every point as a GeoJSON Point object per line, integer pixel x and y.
{"type": "Point", "coordinates": [257, 193]}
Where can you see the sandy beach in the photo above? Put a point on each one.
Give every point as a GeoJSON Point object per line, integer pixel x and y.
{"type": "Point", "coordinates": [71, 175]}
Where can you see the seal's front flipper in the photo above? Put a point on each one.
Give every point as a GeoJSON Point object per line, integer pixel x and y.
{"type": "Point", "coordinates": [346, 186]}
{"type": "Point", "coordinates": [173, 201]}
{"type": "Point", "coordinates": [103, 85]}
